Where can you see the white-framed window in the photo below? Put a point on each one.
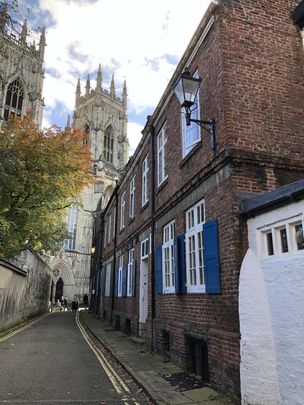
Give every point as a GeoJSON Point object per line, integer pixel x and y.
{"type": "Point", "coordinates": [109, 228]}
{"type": "Point", "coordinates": [108, 280]}
{"type": "Point", "coordinates": [145, 249]}
{"type": "Point", "coordinates": [161, 156]}
{"type": "Point", "coordinates": [195, 218]}
{"type": "Point", "coordinates": [191, 133]}
{"type": "Point", "coordinates": [120, 270]}
{"type": "Point", "coordinates": [130, 273]}
{"type": "Point", "coordinates": [132, 198]}
{"type": "Point", "coordinates": [72, 217]}
{"type": "Point", "coordinates": [144, 181]}
{"type": "Point", "coordinates": [122, 210]}
{"type": "Point", "coordinates": [282, 237]}
{"type": "Point", "coordinates": [168, 258]}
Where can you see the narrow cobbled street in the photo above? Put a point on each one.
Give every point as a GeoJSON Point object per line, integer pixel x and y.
{"type": "Point", "coordinates": [54, 362]}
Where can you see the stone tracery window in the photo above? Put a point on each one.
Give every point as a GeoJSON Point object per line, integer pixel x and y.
{"type": "Point", "coordinates": [108, 145]}
{"type": "Point", "coordinates": [14, 100]}
{"type": "Point", "coordinates": [86, 135]}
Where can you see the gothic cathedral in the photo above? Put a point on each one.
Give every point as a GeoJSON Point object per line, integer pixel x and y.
{"type": "Point", "coordinates": [101, 116]}
{"type": "Point", "coordinates": [21, 71]}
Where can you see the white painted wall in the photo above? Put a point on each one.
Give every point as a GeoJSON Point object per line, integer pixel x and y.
{"type": "Point", "coordinates": [271, 305]}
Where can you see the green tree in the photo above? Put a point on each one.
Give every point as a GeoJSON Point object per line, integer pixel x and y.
{"type": "Point", "coordinates": [41, 173]}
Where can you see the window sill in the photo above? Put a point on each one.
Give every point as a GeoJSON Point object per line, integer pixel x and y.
{"type": "Point", "coordinates": [144, 206]}
{"type": "Point", "coordinates": [190, 154]}
{"type": "Point", "coordinates": [131, 219]}
{"type": "Point", "coordinates": [162, 185]}
{"type": "Point", "coordinates": [197, 290]}
{"type": "Point", "coordinates": [169, 292]}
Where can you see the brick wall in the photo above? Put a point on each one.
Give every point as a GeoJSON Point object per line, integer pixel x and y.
{"type": "Point", "coordinates": [251, 64]}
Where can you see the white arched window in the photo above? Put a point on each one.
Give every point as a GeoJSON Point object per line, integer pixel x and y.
{"type": "Point", "coordinates": [13, 100]}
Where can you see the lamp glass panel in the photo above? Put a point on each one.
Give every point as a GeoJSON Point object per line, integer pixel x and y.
{"type": "Point", "coordinates": [179, 91]}
{"type": "Point", "coordinates": [191, 86]}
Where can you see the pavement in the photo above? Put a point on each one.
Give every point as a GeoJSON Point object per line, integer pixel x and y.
{"type": "Point", "coordinates": [165, 382]}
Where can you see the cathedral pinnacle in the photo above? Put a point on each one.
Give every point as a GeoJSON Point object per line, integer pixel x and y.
{"type": "Point", "coordinates": [99, 79]}
{"type": "Point", "coordinates": [42, 43]}
{"type": "Point", "coordinates": [3, 15]}
{"type": "Point", "coordinates": [77, 93]}
{"type": "Point", "coordinates": [124, 94]}
{"type": "Point", "coordinates": [68, 124]}
{"type": "Point", "coordinates": [88, 86]}
{"type": "Point", "coordinates": [112, 88]}
{"type": "Point", "coordinates": [23, 34]}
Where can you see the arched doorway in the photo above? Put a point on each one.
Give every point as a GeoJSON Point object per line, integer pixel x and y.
{"type": "Point", "coordinates": [59, 289]}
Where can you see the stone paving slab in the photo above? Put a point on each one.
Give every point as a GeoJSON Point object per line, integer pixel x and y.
{"type": "Point", "coordinates": [149, 368]}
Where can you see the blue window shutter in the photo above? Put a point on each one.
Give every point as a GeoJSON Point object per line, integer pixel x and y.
{"type": "Point", "coordinates": [158, 270]}
{"type": "Point", "coordinates": [176, 267]}
{"type": "Point", "coordinates": [134, 278]}
{"type": "Point", "coordinates": [211, 257]}
{"type": "Point", "coordinates": [124, 281]}
{"type": "Point", "coordinates": [116, 283]}
{"type": "Point", "coordinates": [180, 268]}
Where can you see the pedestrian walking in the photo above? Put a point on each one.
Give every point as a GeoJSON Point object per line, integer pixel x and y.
{"type": "Point", "coordinates": [58, 305]}
{"type": "Point", "coordinates": [85, 300]}
{"type": "Point", "coordinates": [75, 305]}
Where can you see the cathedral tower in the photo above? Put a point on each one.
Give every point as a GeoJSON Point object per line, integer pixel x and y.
{"type": "Point", "coordinates": [21, 71]}
{"type": "Point", "coordinates": [101, 115]}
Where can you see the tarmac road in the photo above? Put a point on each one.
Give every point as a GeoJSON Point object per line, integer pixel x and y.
{"type": "Point", "coordinates": [51, 363]}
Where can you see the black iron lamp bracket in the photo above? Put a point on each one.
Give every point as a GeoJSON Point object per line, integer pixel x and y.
{"type": "Point", "coordinates": [208, 126]}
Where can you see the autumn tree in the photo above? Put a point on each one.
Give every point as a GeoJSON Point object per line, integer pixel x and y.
{"type": "Point", "coordinates": [41, 173]}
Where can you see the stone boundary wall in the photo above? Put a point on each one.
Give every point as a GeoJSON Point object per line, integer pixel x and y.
{"type": "Point", "coordinates": [24, 289]}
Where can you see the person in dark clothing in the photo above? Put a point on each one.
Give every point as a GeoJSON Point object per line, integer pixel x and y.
{"type": "Point", "coordinates": [75, 305]}
{"type": "Point", "coordinates": [85, 300]}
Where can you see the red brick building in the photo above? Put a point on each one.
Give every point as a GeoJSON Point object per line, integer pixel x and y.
{"type": "Point", "coordinates": [173, 239]}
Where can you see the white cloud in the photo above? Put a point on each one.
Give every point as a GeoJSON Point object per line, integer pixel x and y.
{"type": "Point", "coordinates": [134, 135]}
{"type": "Point", "coordinates": [129, 32]}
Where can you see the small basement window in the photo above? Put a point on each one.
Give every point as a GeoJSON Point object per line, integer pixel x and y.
{"type": "Point", "coordinates": [117, 322]}
{"type": "Point", "coordinates": [128, 326]}
{"type": "Point", "coordinates": [165, 345]}
{"type": "Point", "coordinates": [198, 357]}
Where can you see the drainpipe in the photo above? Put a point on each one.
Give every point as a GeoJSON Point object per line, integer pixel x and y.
{"type": "Point", "coordinates": [114, 250]}
{"type": "Point", "coordinates": [98, 264]}
{"type": "Point", "coordinates": [153, 309]}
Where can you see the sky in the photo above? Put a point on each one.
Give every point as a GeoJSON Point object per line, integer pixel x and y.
{"type": "Point", "coordinates": [139, 41]}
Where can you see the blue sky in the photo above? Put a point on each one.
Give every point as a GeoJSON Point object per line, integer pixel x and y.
{"type": "Point", "coordinates": [137, 40]}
